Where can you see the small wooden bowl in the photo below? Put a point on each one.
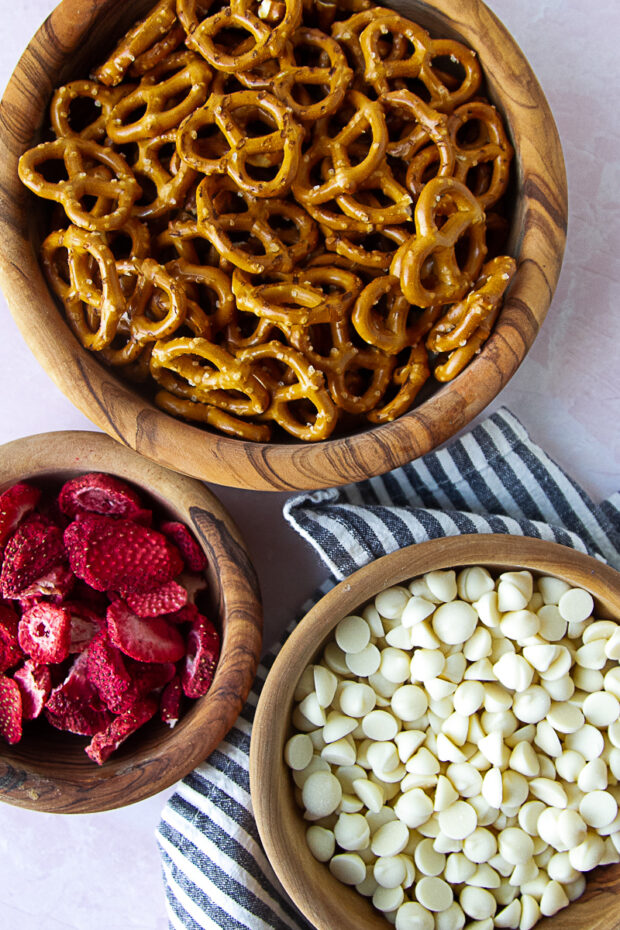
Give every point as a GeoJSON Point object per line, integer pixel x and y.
{"type": "Point", "coordinates": [319, 896]}
{"type": "Point", "coordinates": [48, 770]}
{"type": "Point", "coordinates": [78, 34]}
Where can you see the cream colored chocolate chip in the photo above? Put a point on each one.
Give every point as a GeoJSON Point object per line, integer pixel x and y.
{"type": "Point", "coordinates": [357, 699]}
{"type": "Point", "coordinates": [321, 794]}
{"type": "Point", "coordinates": [413, 807]}
{"type": "Point", "coordinates": [352, 634]}
{"type": "Point", "coordinates": [391, 602]}
{"type": "Point", "coordinates": [365, 662]}
{"type": "Point", "coordinates": [458, 821]}
{"type": "Point", "coordinates": [598, 808]}
{"type": "Point", "coordinates": [298, 751]}
{"type": "Point", "coordinates": [433, 893]}
{"type": "Point", "coordinates": [601, 708]}
{"type": "Point", "coordinates": [454, 622]}
{"type": "Point", "coordinates": [477, 903]}
{"type": "Point", "coordinates": [321, 842]}
{"type": "Point", "coordinates": [413, 916]}
{"type": "Point", "coordinates": [352, 832]}
{"type": "Point", "coordinates": [576, 605]}
{"type": "Point", "coordinates": [348, 868]}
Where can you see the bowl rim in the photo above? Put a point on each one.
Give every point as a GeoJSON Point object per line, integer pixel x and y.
{"type": "Point", "coordinates": [111, 405]}
{"type": "Point", "coordinates": [270, 786]}
{"type": "Point", "coordinates": [64, 786]}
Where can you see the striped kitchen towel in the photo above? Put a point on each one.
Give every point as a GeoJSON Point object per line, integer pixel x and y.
{"type": "Point", "coordinates": [492, 480]}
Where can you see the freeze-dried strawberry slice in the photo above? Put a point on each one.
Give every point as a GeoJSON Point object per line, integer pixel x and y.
{"type": "Point", "coordinates": [163, 600]}
{"type": "Point", "coordinates": [98, 493]}
{"type": "Point", "coordinates": [10, 711]}
{"type": "Point", "coordinates": [55, 584]}
{"type": "Point", "coordinates": [10, 650]}
{"type": "Point", "coordinates": [35, 548]}
{"type": "Point", "coordinates": [149, 676]}
{"type": "Point", "coordinates": [153, 640]}
{"type": "Point", "coordinates": [112, 553]}
{"type": "Point", "coordinates": [85, 624]}
{"type": "Point", "coordinates": [75, 705]}
{"type": "Point", "coordinates": [15, 503]}
{"type": "Point", "coordinates": [203, 650]}
{"type": "Point", "coordinates": [104, 743]}
{"type": "Point", "coordinates": [170, 702]}
{"type": "Point", "coordinates": [35, 683]}
{"type": "Point", "coordinates": [106, 670]}
{"type": "Point", "coordinates": [44, 632]}
{"type": "Point", "coordinates": [178, 533]}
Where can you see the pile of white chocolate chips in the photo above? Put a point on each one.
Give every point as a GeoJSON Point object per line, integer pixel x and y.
{"type": "Point", "coordinates": [457, 749]}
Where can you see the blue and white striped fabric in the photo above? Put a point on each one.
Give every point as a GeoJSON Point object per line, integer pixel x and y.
{"type": "Point", "coordinates": [494, 479]}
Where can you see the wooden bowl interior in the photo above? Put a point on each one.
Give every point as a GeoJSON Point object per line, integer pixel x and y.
{"type": "Point", "coordinates": [78, 34]}
{"type": "Point", "coordinates": [48, 769]}
{"type": "Point", "coordinates": [320, 897]}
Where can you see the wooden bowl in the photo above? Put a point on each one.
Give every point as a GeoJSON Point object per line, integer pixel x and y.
{"type": "Point", "coordinates": [48, 770]}
{"type": "Point", "coordinates": [79, 33]}
{"type": "Point", "coordinates": [318, 895]}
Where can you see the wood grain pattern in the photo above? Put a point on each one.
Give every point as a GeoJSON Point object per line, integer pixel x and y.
{"type": "Point", "coordinates": [321, 898]}
{"type": "Point", "coordinates": [78, 34]}
{"type": "Point", "coordinates": [48, 770]}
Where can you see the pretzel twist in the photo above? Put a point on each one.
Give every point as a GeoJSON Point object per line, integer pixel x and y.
{"type": "Point", "coordinates": [137, 42]}
{"type": "Point", "coordinates": [435, 245]}
{"type": "Point", "coordinates": [230, 114]}
{"type": "Point", "coordinates": [209, 415]}
{"type": "Point", "coordinates": [389, 330]}
{"type": "Point", "coordinates": [489, 147]}
{"type": "Point", "coordinates": [332, 74]}
{"type": "Point", "coordinates": [103, 98]}
{"type": "Point", "coordinates": [407, 379]}
{"type": "Point", "coordinates": [167, 94]}
{"type": "Point", "coordinates": [171, 177]}
{"type": "Point", "coordinates": [81, 158]}
{"type": "Point", "coordinates": [274, 24]}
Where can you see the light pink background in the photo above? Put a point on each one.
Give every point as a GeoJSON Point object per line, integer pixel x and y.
{"type": "Point", "coordinates": [102, 871]}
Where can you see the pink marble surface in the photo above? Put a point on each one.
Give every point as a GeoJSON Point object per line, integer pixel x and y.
{"type": "Point", "coordinates": [102, 871]}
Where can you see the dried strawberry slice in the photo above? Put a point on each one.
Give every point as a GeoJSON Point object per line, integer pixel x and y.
{"type": "Point", "coordinates": [15, 503]}
{"type": "Point", "coordinates": [85, 624]}
{"type": "Point", "coordinates": [56, 585]}
{"type": "Point", "coordinates": [35, 548]}
{"type": "Point", "coordinates": [35, 683]}
{"type": "Point", "coordinates": [44, 632]}
{"type": "Point", "coordinates": [10, 650]}
{"type": "Point", "coordinates": [98, 493]}
{"type": "Point", "coordinates": [170, 702]}
{"type": "Point", "coordinates": [153, 640]}
{"type": "Point", "coordinates": [149, 676]}
{"type": "Point", "coordinates": [75, 705]}
{"type": "Point", "coordinates": [163, 600]}
{"type": "Point", "coordinates": [178, 533]}
{"type": "Point", "coordinates": [10, 711]}
{"type": "Point", "coordinates": [112, 553]}
{"type": "Point", "coordinates": [104, 743]}
{"type": "Point", "coordinates": [203, 650]}
{"type": "Point", "coordinates": [106, 670]}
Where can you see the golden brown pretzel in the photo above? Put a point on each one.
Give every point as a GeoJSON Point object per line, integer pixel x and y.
{"type": "Point", "coordinates": [170, 177]}
{"type": "Point", "coordinates": [93, 307]}
{"type": "Point", "coordinates": [390, 329]}
{"type": "Point", "coordinates": [365, 116]}
{"type": "Point", "coordinates": [428, 267]}
{"type": "Point", "coordinates": [231, 114]}
{"type": "Point", "coordinates": [332, 73]}
{"type": "Point", "coordinates": [488, 147]}
{"type": "Point", "coordinates": [300, 402]}
{"type": "Point", "coordinates": [224, 212]}
{"type": "Point", "coordinates": [199, 370]}
{"type": "Point", "coordinates": [103, 100]}
{"type": "Point", "coordinates": [274, 24]}
{"type": "Point", "coordinates": [407, 380]}
{"type": "Point", "coordinates": [212, 416]}
{"type": "Point", "coordinates": [167, 94]}
{"type": "Point", "coordinates": [140, 38]}
{"type": "Point", "coordinates": [373, 252]}
{"type": "Point", "coordinates": [81, 159]}
{"type": "Point", "coordinates": [208, 314]}
{"type": "Point", "coordinates": [464, 327]}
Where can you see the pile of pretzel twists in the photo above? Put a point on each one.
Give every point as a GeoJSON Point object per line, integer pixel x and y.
{"type": "Point", "coordinates": [278, 214]}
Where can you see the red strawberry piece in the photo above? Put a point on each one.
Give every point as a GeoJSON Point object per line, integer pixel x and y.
{"type": "Point", "coordinates": [170, 702]}
{"type": "Point", "coordinates": [75, 704]}
{"type": "Point", "coordinates": [35, 683]}
{"type": "Point", "coordinates": [10, 650]}
{"type": "Point", "coordinates": [105, 742]}
{"type": "Point", "coordinates": [149, 676]}
{"type": "Point", "coordinates": [119, 554]}
{"type": "Point", "coordinates": [15, 503]}
{"type": "Point", "coordinates": [98, 493]}
{"type": "Point", "coordinates": [203, 650]}
{"type": "Point", "coordinates": [85, 624]}
{"type": "Point", "coordinates": [56, 585]}
{"type": "Point", "coordinates": [178, 533]}
{"type": "Point", "coordinates": [106, 670]}
{"type": "Point", "coordinates": [163, 600]}
{"type": "Point", "coordinates": [44, 632]}
{"type": "Point", "coordinates": [153, 640]}
{"type": "Point", "coordinates": [35, 548]}
{"type": "Point", "coordinates": [10, 711]}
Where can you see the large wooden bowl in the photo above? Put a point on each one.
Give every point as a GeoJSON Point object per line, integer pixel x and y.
{"type": "Point", "coordinates": [48, 769]}
{"type": "Point", "coordinates": [79, 33]}
{"type": "Point", "coordinates": [320, 897]}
